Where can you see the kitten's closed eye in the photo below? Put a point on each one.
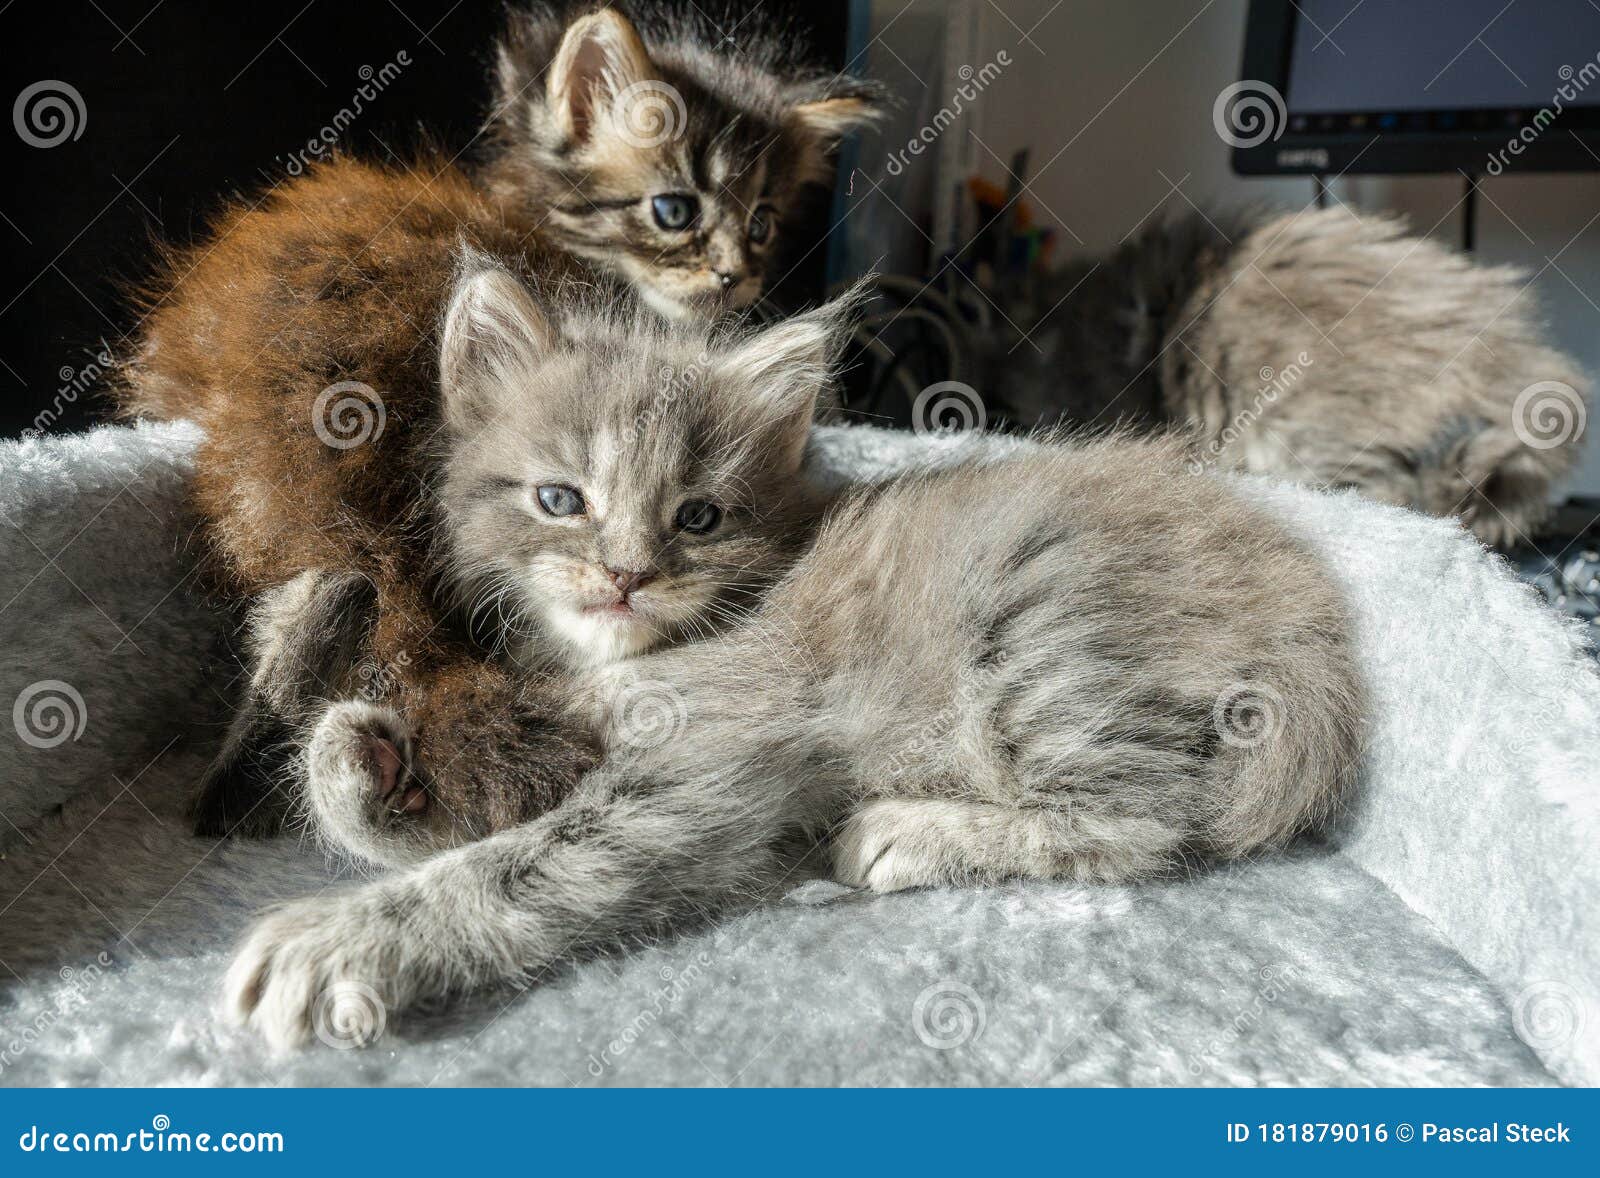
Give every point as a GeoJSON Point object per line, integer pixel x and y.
{"type": "Point", "coordinates": [559, 500]}
{"type": "Point", "coordinates": [675, 211]}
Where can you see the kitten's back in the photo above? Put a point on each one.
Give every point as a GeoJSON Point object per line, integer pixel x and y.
{"type": "Point", "coordinates": [301, 333]}
{"type": "Point", "coordinates": [1084, 623]}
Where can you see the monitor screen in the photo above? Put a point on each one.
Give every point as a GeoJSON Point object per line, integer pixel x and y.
{"type": "Point", "coordinates": [1425, 85]}
{"type": "Point", "coordinates": [1438, 55]}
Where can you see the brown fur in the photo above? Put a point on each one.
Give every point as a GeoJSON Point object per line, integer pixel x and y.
{"type": "Point", "coordinates": [342, 275]}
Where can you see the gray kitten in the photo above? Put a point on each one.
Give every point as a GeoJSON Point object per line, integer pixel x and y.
{"type": "Point", "coordinates": [1320, 347]}
{"type": "Point", "coordinates": [1077, 662]}
{"type": "Point", "coordinates": [609, 483]}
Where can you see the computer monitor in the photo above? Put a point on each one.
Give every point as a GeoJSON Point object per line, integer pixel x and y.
{"type": "Point", "coordinates": [1482, 87]}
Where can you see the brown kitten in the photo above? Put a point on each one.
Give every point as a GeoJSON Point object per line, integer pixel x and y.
{"type": "Point", "coordinates": [302, 335]}
{"type": "Point", "coordinates": [659, 158]}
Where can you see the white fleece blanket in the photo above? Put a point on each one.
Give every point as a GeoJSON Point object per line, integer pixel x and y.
{"type": "Point", "coordinates": [1449, 936]}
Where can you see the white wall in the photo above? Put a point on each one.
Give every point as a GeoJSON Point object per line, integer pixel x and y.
{"type": "Point", "coordinates": [1115, 97]}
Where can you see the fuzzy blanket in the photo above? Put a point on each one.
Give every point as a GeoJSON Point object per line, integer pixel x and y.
{"type": "Point", "coordinates": [1449, 934]}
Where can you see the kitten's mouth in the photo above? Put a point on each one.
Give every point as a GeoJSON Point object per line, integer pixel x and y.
{"type": "Point", "coordinates": [620, 609]}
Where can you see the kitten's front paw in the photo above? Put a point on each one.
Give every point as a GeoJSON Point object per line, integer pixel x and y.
{"type": "Point", "coordinates": [883, 847]}
{"type": "Point", "coordinates": [322, 967]}
{"type": "Point", "coordinates": [364, 794]}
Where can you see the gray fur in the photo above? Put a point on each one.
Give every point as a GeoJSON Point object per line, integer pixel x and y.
{"type": "Point", "coordinates": [638, 416]}
{"type": "Point", "coordinates": [1322, 347]}
{"type": "Point", "coordinates": [971, 674]}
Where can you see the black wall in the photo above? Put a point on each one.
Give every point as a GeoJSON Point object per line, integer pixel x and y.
{"type": "Point", "coordinates": [184, 102]}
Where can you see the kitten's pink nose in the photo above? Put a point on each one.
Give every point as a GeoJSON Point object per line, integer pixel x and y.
{"type": "Point", "coordinates": [627, 580]}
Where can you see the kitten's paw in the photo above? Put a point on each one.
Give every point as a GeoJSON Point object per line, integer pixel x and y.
{"type": "Point", "coordinates": [364, 793]}
{"type": "Point", "coordinates": [884, 847]}
{"type": "Point", "coordinates": [320, 967]}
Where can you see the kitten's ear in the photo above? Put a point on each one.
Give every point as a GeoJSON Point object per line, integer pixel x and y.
{"type": "Point", "coordinates": [823, 115]}
{"type": "Point", "coordinates": [831, 119]}
{"type": "Point", "coordinates": [782, 370]}
{"type": "Point", "coordinates": [493, 331]}
{"type": "Point", "coordinates": [600, 56]}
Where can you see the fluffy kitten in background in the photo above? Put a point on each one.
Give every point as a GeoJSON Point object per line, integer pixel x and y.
{"type": "Point", "coordinates": [301, 335]}
{"type": "Point", "coordinates": [956, 678]}
{"type": "Point", "coordinates": [1321, 347]}
{"type": "Point", "coordinates": [660, 155]}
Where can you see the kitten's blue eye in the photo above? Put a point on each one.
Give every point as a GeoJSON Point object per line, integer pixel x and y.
{"type": "Point", "coordinates": [675, 211]}
{"type": "Point", "coordinates": [558, 500]}
{"type": "Point", "coordinates": [761, 224]}
{"type": "Point", "coordinates": [698, 516]}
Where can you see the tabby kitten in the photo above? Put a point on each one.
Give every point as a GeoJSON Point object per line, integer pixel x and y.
{"type": "Point", "coordinates": [956, 677]}
{"type": "Point", "coordinates": [1321, 347]}
{"type": "Point", "coordinates": [658, 154]}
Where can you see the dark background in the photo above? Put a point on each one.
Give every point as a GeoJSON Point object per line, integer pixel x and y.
{"type": "Point", "coordinates": [188, 102]}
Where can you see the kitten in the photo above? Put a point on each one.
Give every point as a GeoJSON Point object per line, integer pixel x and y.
{"type": "Point", "coordinates": [659, 155]}
{"type": "Point", "coordinates": [612, 486]}
{"type": "Point", "coordinates": [1320, 347]}
{"type": "Point", "coordinates": [300, 336]}
{"type": "Point", "coordinates": [957, 677]}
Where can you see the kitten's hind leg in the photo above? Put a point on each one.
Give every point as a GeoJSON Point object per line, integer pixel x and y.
{"type": "Point", "coordinates": [244, 791]}
{"type": "Point", "coordinates": [890, 844]}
